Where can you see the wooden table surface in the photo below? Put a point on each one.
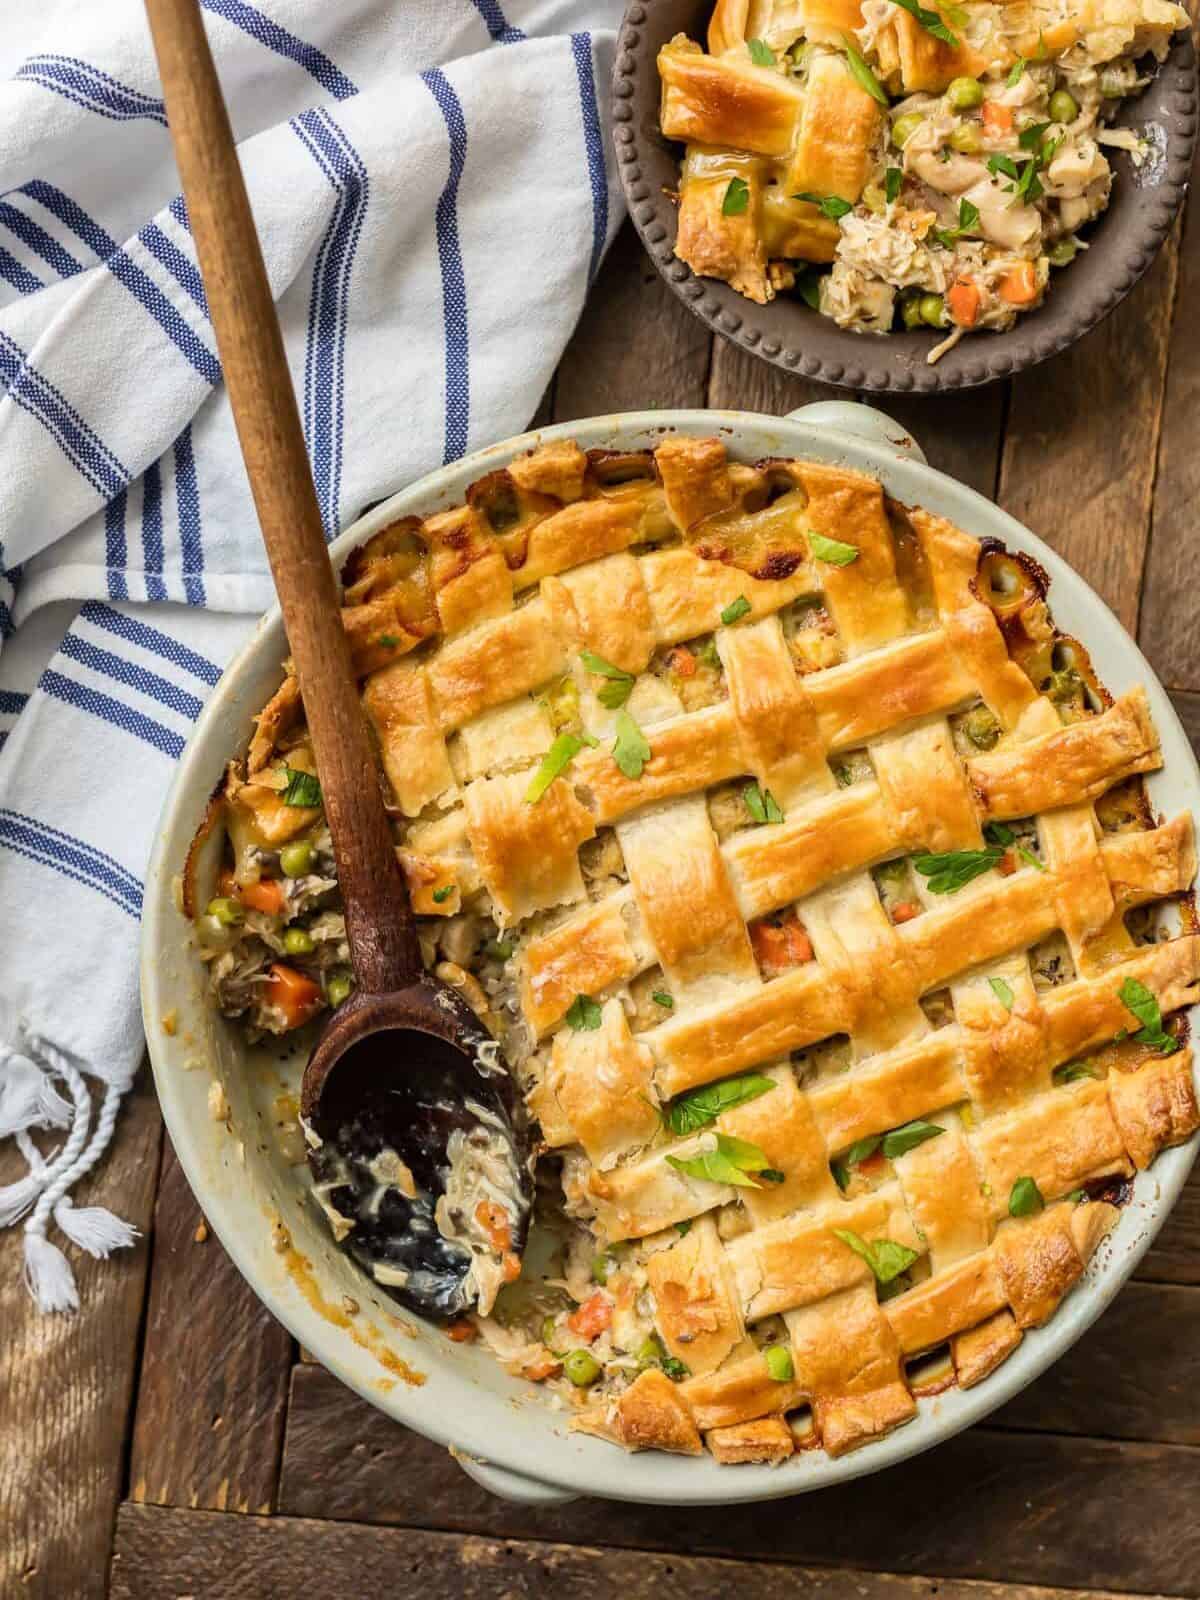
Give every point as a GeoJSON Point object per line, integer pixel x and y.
{"type": "Point", "coordinates": [170, 1440]}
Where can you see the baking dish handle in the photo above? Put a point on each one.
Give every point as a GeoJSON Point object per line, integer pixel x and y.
{"type": "Point", "coordinates": [512, 1486]}
{"type": "Point", "coordinates": [861, 422]}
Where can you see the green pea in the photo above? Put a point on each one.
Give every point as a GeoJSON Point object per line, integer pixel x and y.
{"type": "Point", "coordinates": [904, 127]}
{"type": "Point", "coordinates": [337, 986]}
{"type": "Point", "coordinates": [1063, 251]}
{"type": "Point", "coordinates": [910, 315]}
{"type": "Point", "coordinates": [982, 728]}
{"type": "Point", "coordinates": [966, 139]}
{"type": "Point", "coordinates": [1063, 106]}
{"type": "Point", "coordinates": [298, 942]}
{"type": "Point", "coordinates": [874, 199]}
{"type": "Point", "coordinates": [964, 93]}
{"type": "Point", "coordinates": [296, 859]}
{"type": "Point", "coordinates": [779, 1363]}
{"type": "Point", "coordinates": [227, 912]}
{"type": "Point", "coordinates": [601, 1267]}
{"type": "Point", "coordinates": [649, 1352]}
{"type": "Point", "coordinates": [581, 1368]}
{"type": "Point", "coordinates": [933, 310]}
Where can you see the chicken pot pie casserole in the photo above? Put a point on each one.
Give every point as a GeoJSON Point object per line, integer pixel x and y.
{"type": "Point", "coordinates": [805, 875]}
{"type": "Point", "coordinates": [901, 165]}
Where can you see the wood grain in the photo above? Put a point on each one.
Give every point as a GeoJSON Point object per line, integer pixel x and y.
{"type": "Point", "coordinates": [635, 347]}
{"type": "Point", "coordinates": [1082, 438]}
{"type": "Point", "coordinates": [66, 1383]}
{"type": "Point", "coordinates": [961, 434]}
{"type": "Point", "coordinates": [208, 1427]}
{"type": "Point", "coordinates": [241, 1558]}
{"type": "Point", "coordinates": [1008, 1506]}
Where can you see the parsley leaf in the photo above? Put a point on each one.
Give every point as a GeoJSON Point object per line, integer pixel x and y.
{"type": "Point", "coordinates": [998, 163]}
{"type": "Point", "coordinates": [862, 74]}
{"type": "Point", "coordinates": [556, 760]}
{"type": "Point", "coordinates": [892, 179]}
{"type": "Point", "coordinates": [731, 1162]}
{"type": "Point", "coordinates": [1002, 991]}
{"type": "Point", "coordinates": [998, 833]}
{"type": "Point", "coordinates": [829, 205]}
{"type": "Point", "coordinates": [1026, 1199]}
{"type": "Point", "coordinates": [832, 551]}
{"type": "Point", "coordinates": [302, 789]}
{"type": "Point", "coordinates": [808, 287]}
{"type": "Point", "coordinates": [773, 1175]}
{"type": "Point", "coordinates": [695, 1110]}
{"type": "Point", "coordinates": [954, 868]}
{"type": "Point", "coordinates": [862, 1149]}
{"type": "Point", "coordinates": [630, 750]}
{"type": "Point", "coordinates": [663, 999]}
{"type": "Point", "coordinates": [968, 218]}
{"type": "Point", "coordinates": [761, 53]}
{"type": "Point", "coordinates": [930, 21]}
{"type": "Point", "coordinates": [1137, 998]}
{"type": "Point", "coordinates": [683, 1228]}
{"type": "Point", "coordinates": [737, 198]}
{"type": "Point", "coordinates": [735, 610]}
{"type": "Point", "coordinates": [901, 1140]}
{"type": "Point", "coordinates": [1030, 138]}
{"type": "Point", "coordinates": [1016, 71]}
{"type": "Point", "coordinates": [583, 1014]}
{"type": "Point", "coordinates": [675, 1369]}
{"type": "Point", "coordinates": [761, 804]}
{"type": "Point", "coordinates": [389, 641]}
{"type": "Point", "coordinates": [886, 1258]}
{"type": "Point", "coordinates": [1028, 855]}
{"type": "Point", "coordinates": [619, 686]}
{"type": "Point", "coordinates": [442, 894]}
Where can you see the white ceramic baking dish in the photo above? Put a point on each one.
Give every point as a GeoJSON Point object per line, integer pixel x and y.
{"type": "Point", "coordinates": [505, 1432]}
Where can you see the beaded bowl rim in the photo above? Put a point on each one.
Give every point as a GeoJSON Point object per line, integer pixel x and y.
{"type": "Point", "coordinates": [1127, 237]}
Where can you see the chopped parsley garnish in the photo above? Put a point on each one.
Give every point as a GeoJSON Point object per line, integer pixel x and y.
{"type": "Point", "coordinates": [901, 1140]}
{"type": "Point", "coordinates": [663, 999]}
{"type": "Point", "coordinates": [761, 804]}
{"type": "Point", "coordinates": [1073, 1071]}
{"type": "Point", "coordinates": [930, 21]}
{"type": "Point", "coordinates": [1078, 1196]}
{"type": "Point", "coordinates": [630, 750]}
{"type": "Point", "coordinates": [892, 179]}
{"type": "Point", "coordinates": [675, 1369]}
{"type": "Point", "coordinates": [773, 1175]}
{"type": "Point", "coordinates": [555, 762]}
{"type": "Point", "coordinates": [843, 774]}
{"type": "Point", "coordinates": [1135, 997]}
{"type": "Point", "coordinates": [583, 1014]}
{"type": "Point", "coordinates": [695, 1110]}
{"type": "Point", "coordinates": [443, 894]}
{"type": "Point", "coordinates": [951, 869]}
{"type": "Point", "coordinates": [861, 72]}
{"type": "Point", "coordinates": [832, 551]}
{"type": "Point", "coordinates": [886, 1258]}
{"type": "Point", "coordinates": [829, 205]}
{"type": "Point", "coordinates": [779, 1363]}
{"type": "Point", "coordinates": [1025, 1199]}
{"type": "Point", "coordinates": [968, 219]}
{"type": "Point", "coordinates": [683, 1228]}
{"type": "Point", "coordinates": [737, 198]}
{"type": "Point", "coordinates": [303, 789]}
{"type": "Point", "coordinates": [808, 287]}
{"type": "Point", "coordinates": [997, 164]}
{"type": "Point", "coordinates": [388, 640]}
{"type": "Point", "coordinates": [761, 53]}
{"type": "Point", "coordinates": [998, 833]}
{"type": "Point", "coordinates": [619, 685]}
{"type": "Point", "coordinates": [1002, 991]}
{"type": "Point", "coordinates": [731, 1162]}
{"type": "Point", "coordinates": [1015, 73]}
{"type": "Point", "coordinates": [735, 611]}
{"type": "Point", "coordinates": [1030, 138]}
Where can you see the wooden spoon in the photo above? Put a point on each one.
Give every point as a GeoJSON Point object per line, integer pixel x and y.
{"type": "Point", "coordinates": [405, 1091]}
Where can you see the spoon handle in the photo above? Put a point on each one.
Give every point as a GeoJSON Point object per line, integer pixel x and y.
{"type": "Point", "coordinates": [379, 921]}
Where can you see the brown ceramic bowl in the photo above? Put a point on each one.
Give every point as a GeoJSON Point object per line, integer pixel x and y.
{"type": "Point", "coordinates": [1124, 239]}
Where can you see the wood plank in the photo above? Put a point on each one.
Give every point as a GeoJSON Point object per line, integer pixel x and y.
{"type": "Point", "coordinates": [239, 1558]}
{"type": "Point", "coordinates": [1082, 440]}
{"type": "Point", "coordinates": [1007, 1506]}
{"type": "Point", "coordinates": [66, 1384]}
{"type": "Point", "coordinates": [961, 434]}
{"type": "Point", "coordinates": [1170, 620]}
{"type": "Point", "coordinates": [213, 1389]}
{"type": "Point", "coordinates": [635, 348]}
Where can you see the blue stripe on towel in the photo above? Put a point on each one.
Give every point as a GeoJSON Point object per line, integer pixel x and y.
{"type": "Point", "coordinates": [91, 863]}
{"type": "Point", "coordinates": [152, 532]}
{"type": "Point", "coordinates": [114, 711]}
{"type": "Point", "coordinates": [498, 25]}
{"type": "Point", "coordinates": [187, 510]}
{"type": "Point", "coordinates": [454, 285]}
{"type": "Point", "coordinates": [34, 393]}
{"type": "Point", "coordinates": [19, 275]}
{"type": "Point", "coordinates": [168, 254]}
{"type": "Point", "coordinates": [148, 638]}
{"type": "Point", "coordinates": [593, 142]}
{"type": "Point", "coordinates": [315, 62]}
{"type": "Point", "coordinates": [10, 839]}
{"type": "Point", "coordinates": [129, 673]}
{"type": "Point", "coordinates": [39, 241]}
{"type": "Point", "coordinates": [89, 87]}
{"type": "Point", "coordinates": [115, 548]}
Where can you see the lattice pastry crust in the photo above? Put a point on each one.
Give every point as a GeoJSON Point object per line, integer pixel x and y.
{"type": "Point", "coordinates": [829, 686]}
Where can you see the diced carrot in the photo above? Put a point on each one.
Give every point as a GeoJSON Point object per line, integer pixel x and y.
{"type": "Point", "coordinates": [777, 948]}
{"type": "Point", "coordinates": [873, 1162]}
{"type": "Point", "coordinates": [962, 297]}
{"type": "Point", "coordinates": [592, 1317]}
{"type": "Point", "coordinates": [297, 996]}
{"type": "Point", "coordinates": [905, 911]}
{"type": "Point", "coordinates": [494, 1222]}
{"type": "Point", "coordinates": [996, 117]}
{"type": "Point", "coordinates": [1018, 286]}
{"type": "Point", "coordinates": [1007, 864]}
{"type": "Point", "coordinates": [510, 1267]}
{"type": "Point", "coordinates": [538, 1371]}
{"type": "Point", "coordinates": [462, 1331]}
{"type": "Point", "coordinates": [683, 661]}
{"type": "Point", "coordinates": [265, 895]}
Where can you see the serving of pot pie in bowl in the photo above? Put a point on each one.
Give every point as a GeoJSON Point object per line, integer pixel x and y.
{"type": "Point", "coordinates": [971, 186]}
{"type": "Point", "coordinates": [830, 904]}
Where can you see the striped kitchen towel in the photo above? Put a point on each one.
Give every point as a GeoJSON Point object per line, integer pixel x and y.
{"type": "Point", "coordinates": [434, 188]}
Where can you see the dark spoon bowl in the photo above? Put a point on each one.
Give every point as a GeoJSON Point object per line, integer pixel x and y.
{"type": "Point", "coordinates": [1124, 240]}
